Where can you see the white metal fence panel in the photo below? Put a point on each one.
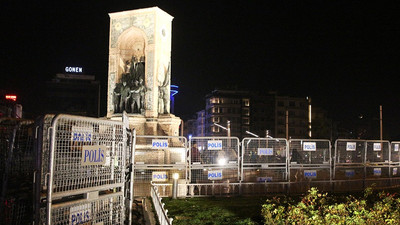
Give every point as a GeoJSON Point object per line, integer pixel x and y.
{"type": "Point", "coordinates": [161, 212]}
{"type": "Point", "coordinates": [86, 154]}
{"type": "Point", "coordinates": [82, 162]}
{"type": "Point", "coordinates": [309, 152]}
{"type": "Point", "coordinates": [377, 152]}
{"type": "Point", "coordinates": [214, 159]}
{"type": "Point", "coordinates": [264, 160]}
{"type": "Point", "coordinates": [157, 158]}
{"type": "Point", "coordinates": [144, 176]}
{"type": "Point", "coordinates": [106, 210]}
{"type": "Point", "coordinates": [309, 164]}
{"type": "Point", "coordinates": [264, 151]}
{"type": "Point", "coordinates": [349, 151]}
{"type": "Point", "coordinates": [160, 150]}
{"type": "Point", "coordinates": [16, 154]}
{"type": "Point", "coordinates": [395, 152]}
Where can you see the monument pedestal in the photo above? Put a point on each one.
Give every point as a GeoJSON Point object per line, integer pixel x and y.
{"type": "Point", "coordinates": [164, 125]}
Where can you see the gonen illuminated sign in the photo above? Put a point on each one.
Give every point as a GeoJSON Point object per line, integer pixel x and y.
{"type": "Point", "coordinates": [72, 69]}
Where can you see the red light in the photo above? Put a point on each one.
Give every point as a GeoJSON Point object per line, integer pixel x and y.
{"type": "Point", "coordinates": [11, 97]}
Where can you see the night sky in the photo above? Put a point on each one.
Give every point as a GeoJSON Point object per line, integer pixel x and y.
{"type": "Point", "coordinates": [343, 54]}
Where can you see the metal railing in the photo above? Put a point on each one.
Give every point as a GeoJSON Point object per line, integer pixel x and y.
{"type": "Point", "coordinates": [162, 213]}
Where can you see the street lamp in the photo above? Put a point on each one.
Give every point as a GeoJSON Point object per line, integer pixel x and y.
{"type": "Point", "coordinates": [248, 132]}
{"type": "Point", "coordinates": [175, 176]}
{"type": "Point", "coordinates": [228, 128]}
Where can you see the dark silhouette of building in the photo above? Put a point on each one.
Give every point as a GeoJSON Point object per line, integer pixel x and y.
{"type": "Point", "coordinates": [73, 94]}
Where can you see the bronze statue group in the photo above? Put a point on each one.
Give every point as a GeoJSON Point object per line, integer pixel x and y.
{"type": "Point", "coordinates": [129, 93]}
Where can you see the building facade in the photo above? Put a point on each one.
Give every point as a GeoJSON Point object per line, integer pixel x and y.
{"type": "Point", "coordinates": [76, 94]}
{"type": "Point", "coordinates": [257, 113]}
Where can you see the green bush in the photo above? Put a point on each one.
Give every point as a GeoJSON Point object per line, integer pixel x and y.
{"type": "Point", "coordinates": [319, 208]}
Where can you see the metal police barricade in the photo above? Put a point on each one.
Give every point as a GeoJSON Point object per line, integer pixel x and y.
{"type": "Point", "coordinates": [309, 164]}
{"type": "Point", "coordinates": [213, 160]}
{"type": "Point", "coordinates": [395, 163]}
{"type": "Point", "coordinates": [16, 153]}
{"type": "Point", "coordinates": [377, 166]}
{"type": "Point", "coordinates": [264, 163]}
{"type": "Point", "coordinates": [86, 163]}
{"type": "Point", "coordinates": [349, 165]}
{"type": "Point", "coordinates": [157, 159]}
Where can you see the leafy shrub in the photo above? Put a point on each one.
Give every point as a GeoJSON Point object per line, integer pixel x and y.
{"type": "Point", "coordinates": [319, 208]}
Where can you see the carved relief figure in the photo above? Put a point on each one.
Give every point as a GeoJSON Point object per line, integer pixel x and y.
{"type": "Point", "coordinates": [163, 95]}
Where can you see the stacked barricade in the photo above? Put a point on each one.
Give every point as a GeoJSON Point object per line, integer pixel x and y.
{"type": "Point", "coordinates": [264, 165]}
{"type": "Point", "coordinates": [157, 158]}
{"type": "Point", "coordinates": [16, 141]}
{"type": "Point", "coordinates": [81, 170]}
{"type": "Point", "coordinates": [213, 160]}
{"type": "Point", "coordinates": [349, 165]}
{"type": "Point", "coordinates": [377, 166]}
{"type": "Point", "coordinates": [309, 164]}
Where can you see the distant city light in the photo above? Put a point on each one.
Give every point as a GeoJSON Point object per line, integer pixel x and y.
{"type": "Point", "coordinates": [11, 97]}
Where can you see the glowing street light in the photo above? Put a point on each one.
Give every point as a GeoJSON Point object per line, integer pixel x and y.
{"type": "Point", "coordinates": [175, 176]}
{"type": "Point", "coordinates": [228, 128]}
{"type": "Point", "coordinates": [248, 132]}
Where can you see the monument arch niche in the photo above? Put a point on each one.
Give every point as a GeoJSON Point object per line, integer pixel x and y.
{"type": "Point", "coordinates": [130, 86]}
{"type": "Point", "coordinates": [139, 75]}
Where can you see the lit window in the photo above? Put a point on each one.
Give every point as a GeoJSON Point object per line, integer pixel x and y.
{"type": "Point", "coordinates": [246, 102]}
{"type": "Point", "coordinates": [215, 129]}
{"type": "Point", "coordinates": [246, 111]}
{"type": "Point", "coordinates": [214, 100]}
{"type": "Point", "coordinates": [216, 110]}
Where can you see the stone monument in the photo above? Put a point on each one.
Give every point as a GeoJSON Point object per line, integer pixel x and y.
{"type": "Point", "coordinates": [139, 73]}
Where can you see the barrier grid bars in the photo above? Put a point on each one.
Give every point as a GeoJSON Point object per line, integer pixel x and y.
{"type": "Point", "coordinates": [158, 163]}
{"type": "Point", "coordinates": [70, 173]}
{"type": "Point", "coordinates": [131, 154]}
{"type": "Point", "coordinates": [395, 153]}
{"type": "Point", "coordinates": [106, 210]}
{"type": "Point", "coordinates": [267, 156]}
{"type": "Point", "coordinates": [162, 213]}
{"type": "Point", "coordinates": [41, 150]}
{"type": "Point", "coordinates": [377, 159]}
{"type": "Point", "coordinates": [349, 151]}
{"type": "Point", "coordinates": [312, 154]}
{"type": "Point", "coordinates": [144, 176]}
{"type": "Point", "coordinates": [349, 159]}
{"type": "Point", "coordinates": [377, 151]}
{"type": "Point", "coordinates": [16, 141]}
{"type": "Point", "coordinates": [160, 150]}
{"type": "Point", "coordinates": [66, 157]}
{"type": "Point", "coordinates": [213, 159]}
